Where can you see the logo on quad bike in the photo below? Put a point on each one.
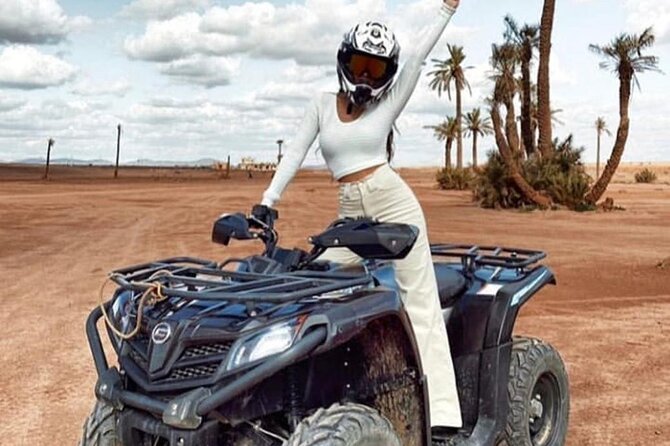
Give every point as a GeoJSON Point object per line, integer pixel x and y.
{"type": "Point", "coordinates": [161, 333]}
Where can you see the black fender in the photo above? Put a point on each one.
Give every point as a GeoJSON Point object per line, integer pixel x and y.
{"type": "Point", "coordinates": [509, 300]}
{"type": "Point", "coordinates": [486, 405]}
{"type": "Point", "coordinates": [370, 356]}
{"type": "Point", "coordinates": [369, 344]}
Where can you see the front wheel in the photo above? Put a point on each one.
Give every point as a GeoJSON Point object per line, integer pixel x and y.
{"type": "Point", "coordinates": [539, 395]}
{"type": "Point", "coordinates": [344, 425]}
{"type": "Point", "coordinates": [100, 427]}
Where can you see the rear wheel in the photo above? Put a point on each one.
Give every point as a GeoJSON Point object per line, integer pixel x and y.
{"type": "Point", "coordinates": [344, 425]}
{"type": "Point", "coordinates": [539, 395]}
{"type": "Point", "coordinates": [100, 427]}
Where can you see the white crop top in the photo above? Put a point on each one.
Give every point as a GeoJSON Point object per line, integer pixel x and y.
{"type": "Point", "coordinates": [349, 147]}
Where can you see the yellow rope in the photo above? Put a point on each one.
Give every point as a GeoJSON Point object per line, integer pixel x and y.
{"type": "Point", "coordinates": [151, 296]}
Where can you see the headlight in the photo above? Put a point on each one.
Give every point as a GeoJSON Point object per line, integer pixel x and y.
{"type": "Point", "coordinates": [271, 341]}
{"type": "Point", "coordinates": [120, 314]}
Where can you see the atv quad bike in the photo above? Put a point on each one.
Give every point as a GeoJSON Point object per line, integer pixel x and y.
{"type": "Point", "coordinates": [284, 349]}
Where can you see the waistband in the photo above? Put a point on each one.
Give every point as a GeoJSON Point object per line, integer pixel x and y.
{"type": "Point", "coordinates": [380, 171]}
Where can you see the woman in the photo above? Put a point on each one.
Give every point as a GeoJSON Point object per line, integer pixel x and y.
{"type": "Point", "coordinates": [355, 129]}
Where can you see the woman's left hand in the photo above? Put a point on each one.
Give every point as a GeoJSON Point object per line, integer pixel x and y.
{"type": "Point", "coordinates": [452, 3]}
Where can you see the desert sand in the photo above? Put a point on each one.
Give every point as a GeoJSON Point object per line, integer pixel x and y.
{"type": "Point", "coordinates": [608, 316]}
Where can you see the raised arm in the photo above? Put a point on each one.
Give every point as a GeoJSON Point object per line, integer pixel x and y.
{"type": "Point", "coordinates": [409, 75]}
{"type": "Point", "coordinates": [295, 155]}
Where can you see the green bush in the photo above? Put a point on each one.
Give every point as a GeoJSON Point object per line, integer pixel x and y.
{"type": "Point", "coordinates": [645, 176]}
{"type": "Point", "coordinates": [493, 188]}
{"type": "Point", "coordinates": [451, 178]}
{"type": "Point", "coordinates": [561, 176]}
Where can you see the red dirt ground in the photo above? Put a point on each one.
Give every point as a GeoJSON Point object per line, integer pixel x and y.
{"type": "Point", "coordinates": [608, 316]}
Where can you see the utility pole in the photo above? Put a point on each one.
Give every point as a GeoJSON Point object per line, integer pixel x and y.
{"type": "Point", "coordinates": [228, 167]}
{"type": "Point", "coordinates": [118, 147]}
{"type": "Point", "coordinates": [49, 145]}
{"type": "Point", "coordinates": [279, 143]}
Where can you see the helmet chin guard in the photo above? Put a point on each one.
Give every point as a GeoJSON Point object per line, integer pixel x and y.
{"type": "Point", "coordinates": [361, 95]}
{"type": "Point", "coordinates": [373, 40]}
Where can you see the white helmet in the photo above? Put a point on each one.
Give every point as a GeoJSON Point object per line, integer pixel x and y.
{"type": "Point", "coordinates": [367, 61]}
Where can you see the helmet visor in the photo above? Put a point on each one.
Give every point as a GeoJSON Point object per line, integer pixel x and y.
{"type": "Point", "coordinates": [361, 65]}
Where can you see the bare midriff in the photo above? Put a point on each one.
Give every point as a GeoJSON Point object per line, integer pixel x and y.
{"type": "Point", "coordinates": [358, 176]}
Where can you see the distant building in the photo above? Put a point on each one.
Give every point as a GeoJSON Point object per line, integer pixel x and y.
{"type": "Point", "coordinates": [249, 163]}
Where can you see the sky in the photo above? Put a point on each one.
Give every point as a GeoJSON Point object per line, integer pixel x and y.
{"type": "Point", "coordinates": [192, 79]}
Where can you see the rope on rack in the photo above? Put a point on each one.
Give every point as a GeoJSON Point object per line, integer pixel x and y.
{"type": "Point", "coordinates": [151, 296]}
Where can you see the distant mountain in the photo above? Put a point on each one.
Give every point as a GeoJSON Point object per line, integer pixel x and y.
{"type": "Point", "coordinates": [166, 163]}
{"type": "Point", "coordinates": [66, 161]}
{"type": "Point", "coordinates": [101, 162]}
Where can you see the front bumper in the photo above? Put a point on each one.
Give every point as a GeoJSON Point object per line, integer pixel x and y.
{"type": "Point", "coordinates": [134, 425]}
{"type": "Point", "coordinates": [187, 410]}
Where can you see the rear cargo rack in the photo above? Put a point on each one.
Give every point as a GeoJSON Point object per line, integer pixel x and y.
{"type": "Point", "coordinates": [473, 256]}
{"type": "Point", "coordinates": [193, 278]}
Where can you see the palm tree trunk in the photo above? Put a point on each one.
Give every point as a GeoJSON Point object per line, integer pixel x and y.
{"type": "Point", "coordinates": [544, 102]}
{"type": "Point", "coordinates": [520, 182]}
{"type": "Point", "coordinates": [459, 118]}
{"type": "Point", "coordinates": [526, 127]}
{"type": "Point", "coordinates": [599, 188]}
{"type": "Point", "coordinates": [511, 130]}
{"type": "Point", "coordinates": [474, 149]}
{"type": "Point", "coordinates": [447, 153]}
{"type": "Point", "coordinates": [598, 157]}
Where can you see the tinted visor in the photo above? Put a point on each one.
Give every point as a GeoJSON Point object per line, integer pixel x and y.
{"type": "Point", "coordinates": [360, 64]}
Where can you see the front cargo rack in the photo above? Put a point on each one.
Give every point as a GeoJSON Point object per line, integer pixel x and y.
{"type": "Point", "coordinates": [193, 278]}
{"type": "Point", "coordinates": [473, 256]}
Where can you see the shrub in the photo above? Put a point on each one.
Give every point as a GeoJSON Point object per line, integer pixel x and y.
{"type": "Point", "coordinates": [561, 176]}
{"type": "Point", "coordinates": [451, 178]}
{"type": "Point", "coordinates": [645, 176]}
{"type": "Point", "coordinates": [493, 188]}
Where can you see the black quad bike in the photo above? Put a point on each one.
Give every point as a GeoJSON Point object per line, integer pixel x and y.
{"type": "Point", "coordinates": [284, 349]}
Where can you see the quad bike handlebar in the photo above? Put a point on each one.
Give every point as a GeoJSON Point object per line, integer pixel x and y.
{"type": "Point", "coordinates": [368, 238]}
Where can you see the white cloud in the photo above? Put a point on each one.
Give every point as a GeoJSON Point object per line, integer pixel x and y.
{"type": "Point", "coordinates": [200, 70]}
{"type": "Point", "coordinates": [177, 38]}
{"type": "Point", "coordinates": [81, 128]}
{"type": "Point", "coordinates": [645, 13]}
{"type": "Point", "coordinates": [160, 9]}
{"type": "Point", "coordinates": [90, 88]}
{"type": "Point", "coordinates": [308, 34]}
{"type": "Point", "coordinates": [36, 21]}
{"type": "Point", "coordinates": [24, 67]}
{"type": "Point", "coordinates": [411, 17]}
{"type": "Point", "coordinates": [10, 103]}
{"type": "Point", "coordinates": [560, 74]}
{"type": "Point", "coordinates": [162, 110]}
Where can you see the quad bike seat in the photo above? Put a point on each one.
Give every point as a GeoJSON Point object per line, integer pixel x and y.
{"type": "Point", "coordinates": [450, 284]}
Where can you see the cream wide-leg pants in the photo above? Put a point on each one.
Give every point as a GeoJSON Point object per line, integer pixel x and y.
{"type": "Point", "coordinates": [384, 196]}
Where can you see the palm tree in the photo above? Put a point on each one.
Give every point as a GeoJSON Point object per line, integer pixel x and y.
{"type": "Point", "coordinates": [623, 55]}
{"type": "Point", "coordinates": [504, 60]}
{"type": "Point", "coordinates": [445, 73]}
{"type": "Point", "coordinates": [526, 40]}
{"type": "Point", "coordinates": [475, 126]}
{"type": "Point", "coordinates": [601, 127]}
{"type": "Point", "coordinates": [544, 102]}
{"type": "Point", "coordinates": [446, 131]}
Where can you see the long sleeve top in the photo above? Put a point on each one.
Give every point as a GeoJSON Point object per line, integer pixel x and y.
{"type": "Point", "coordinates": [349, 147]}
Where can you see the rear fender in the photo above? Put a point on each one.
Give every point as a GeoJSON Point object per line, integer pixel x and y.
{"type": "Point", "coordinates": [509, 300]}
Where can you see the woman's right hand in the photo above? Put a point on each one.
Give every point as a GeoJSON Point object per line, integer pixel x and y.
{"type": "Point", "coordinates": [452, 3]}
